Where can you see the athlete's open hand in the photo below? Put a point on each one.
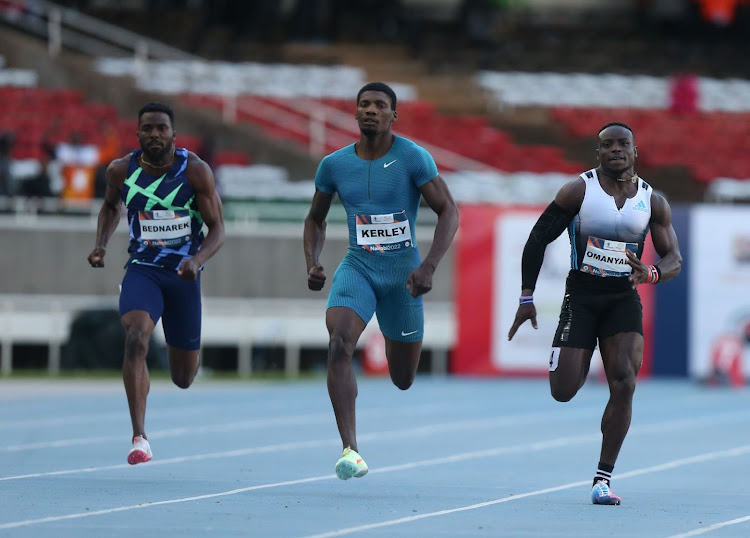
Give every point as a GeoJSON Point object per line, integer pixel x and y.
{"type": "Point", "coordinates": [96, 258]}
{"type": "Point", "coordinates": [419, 281]}
{"type": "Point", "coordinates": [316, 277]}
{"type": "Point", "coordinates": [189, 269]}
{"type": "Point", "coordinates": [524, 312]}
{"type": "Point", "coordinates": [640, 270]}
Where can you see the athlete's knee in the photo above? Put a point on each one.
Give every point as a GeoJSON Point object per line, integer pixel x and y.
{"type": "Point", "coordinates": [136, 343]}
{"type": "Point", "coordinates": [340, 347]}
{"type": "Point", "coordinates": [183, 367]}
{"type": "Point", "coordinates": [622, 386]}
{"type": "Point", "coordinates": [403, 380]}
{"type": "Point", "coordinates": [183, 379]}
{"type": "Point", "coordinates": [563, 393]}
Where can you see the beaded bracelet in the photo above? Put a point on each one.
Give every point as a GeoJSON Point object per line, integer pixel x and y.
{"type": "Point", "coordinates": [526, 299]}
{"type": "Point", "coordinates": [654, 274]}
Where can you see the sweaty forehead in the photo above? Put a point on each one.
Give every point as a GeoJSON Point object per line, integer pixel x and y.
{"type": "Point", "coordinates": [155, 118]}
{"type": "Point", "coordinates": [615, 132]}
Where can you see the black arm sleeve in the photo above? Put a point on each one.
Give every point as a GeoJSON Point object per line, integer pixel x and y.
{"type": "Point", "coordinates": [548, 227]}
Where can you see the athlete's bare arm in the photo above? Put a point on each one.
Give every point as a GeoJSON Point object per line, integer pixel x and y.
{"type": "Point", "coordinates": [109, 214]}
{"type": "Point", "coordinates": [437, 195]}
{"type": "Point", "coordinates": [201, 179]}
{"type": "Point", "coordinates": [314, 237]}
{"type": "Point", "coordinates": [665, 243]}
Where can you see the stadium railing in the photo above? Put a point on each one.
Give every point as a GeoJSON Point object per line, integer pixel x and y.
{"type": "Point", "coordinates": [243, 323]}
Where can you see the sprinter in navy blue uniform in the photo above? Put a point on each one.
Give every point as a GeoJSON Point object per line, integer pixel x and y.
{"type": "Point", "coordinates": [169, 194]}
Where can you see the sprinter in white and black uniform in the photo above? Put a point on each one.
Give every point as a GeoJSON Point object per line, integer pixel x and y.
{"type": "Point", "coordinates": [608, 212]}
{"type": "Point", "coordinates": [169, 194]}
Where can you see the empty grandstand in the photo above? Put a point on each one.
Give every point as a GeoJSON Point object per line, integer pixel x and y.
{"type": "Point", "coordinates": [506, 95]}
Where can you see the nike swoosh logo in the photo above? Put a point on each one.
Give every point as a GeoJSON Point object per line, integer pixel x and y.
{"type": "Point", "coordinates": [386, 165]}
{"type": "Point", "coordinates": [407, 334]}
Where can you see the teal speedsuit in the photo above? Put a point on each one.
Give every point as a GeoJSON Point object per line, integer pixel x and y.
{"type": "Point", "coordinates": [381, 199]}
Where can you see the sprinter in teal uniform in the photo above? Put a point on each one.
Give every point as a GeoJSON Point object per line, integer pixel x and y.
{"type": "Point", "coordinates": [169, 194]}
{"type": "Point", "coordinates": [380, 180]}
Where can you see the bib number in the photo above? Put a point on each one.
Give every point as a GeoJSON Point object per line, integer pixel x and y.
{"type": "Point", "coordinates": [607, 258]}
{"type": "Point", "coordinates": [165, 228]}
{"type": "Point", "coordinates": [384, 233]}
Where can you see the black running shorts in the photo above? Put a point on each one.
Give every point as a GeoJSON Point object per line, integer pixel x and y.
{"type": "Point", "coordinates": [593, 310]}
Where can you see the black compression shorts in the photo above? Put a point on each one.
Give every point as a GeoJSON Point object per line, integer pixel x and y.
{"type": "Point", "coordinates": [593, 311]}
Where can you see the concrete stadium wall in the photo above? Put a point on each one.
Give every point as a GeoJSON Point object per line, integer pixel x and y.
{"type": "Point", "coordinates": [48, 256]}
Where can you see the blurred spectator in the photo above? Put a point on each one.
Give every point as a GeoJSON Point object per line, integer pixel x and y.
{"type": "Point", "coordinates": [40, 185]}
{"type": "Point", "coordinates": [79, 162]}
{"type": "Point", "coordinates": [109, 150]}
{"type": "Point", "coordinates": [683, 94]}
{"type": "Point", "coordinates": [7, 140]}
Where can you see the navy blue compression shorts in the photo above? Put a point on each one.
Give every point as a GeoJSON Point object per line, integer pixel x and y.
{"type": "Point", "coordinates": [163, 294]}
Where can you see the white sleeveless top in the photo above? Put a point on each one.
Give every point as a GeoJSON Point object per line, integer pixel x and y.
{"type": "Point", "coordinates": [600, 233]}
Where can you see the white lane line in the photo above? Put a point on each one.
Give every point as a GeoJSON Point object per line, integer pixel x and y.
{"type": "Point", "coordinates": [711, 528]}
{"type": "Point", "coordinates": [51, 422]}
{"type": "Point", "coordinates": [279, 421]}
{"type": "Point", "coordinates": [329, 441]}
{"type": "Point", "coordinates": [426, 409]}
{"type": "Point", "coordinates": [701, 458]}
{"type": "Point", "coordinates": [456, 457]}
{"type": "Point", "coordinates": [175, 432]}
{"type": "Point", "coordinates": [416, 431]}
{"type": "Point", "coordinates": [60, 421]}
{"type": "Point", "coordinates": [28, 522]}
{"type": "Point", "coordinates": [166, 412]}
{"type": "Point", "coordinates": [196, 429]}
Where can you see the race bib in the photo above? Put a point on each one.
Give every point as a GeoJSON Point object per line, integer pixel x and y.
{"type": "Point", "coordinates": [384, 233]}
{"type": "Point", "coordinates": [607, 258]}
{"type": "Point", "coordinates": [165, 228]}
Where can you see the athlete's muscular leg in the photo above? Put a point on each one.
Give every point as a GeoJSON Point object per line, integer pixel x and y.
{"type": "Point", "coordinates": [344, 330]}
{"type": "Point", "coordinates": [568, 371]}
{"type": "Point", "coordinates": [138, 328]}
{"type": "Point", "coordinates": [403, 360]}
{"type": "Point", "coordinates": [183, 365]}
{"type": "Point", "coordinates": [622, 355]}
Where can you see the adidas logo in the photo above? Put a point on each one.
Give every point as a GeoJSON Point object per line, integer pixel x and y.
{"type": "Point", "coordinates": [640, 206]}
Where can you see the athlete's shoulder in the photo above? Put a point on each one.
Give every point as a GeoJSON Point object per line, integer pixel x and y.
{"type": "Point", "coordinates": [197, 171]}
{"type": "Point", "coordinates": [408, 146]}
{"type": "Point", "coordinates": [659, 202]}
{"type": "Point", "coordinates": [417, 159]}
{"type": "Point", "coordinates": [117, 170]}
{"type": "Point", "coordinates": [579, 183]}
{"type": "Point", "coordinates": [570, 196]}
{"type": "Point", "coordinates": [339, 154]}
{"type": "Point", "coordinates": [192, 159]}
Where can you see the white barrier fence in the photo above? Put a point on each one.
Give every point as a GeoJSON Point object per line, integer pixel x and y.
{"type": "Point", "coordinates": [242, 323]}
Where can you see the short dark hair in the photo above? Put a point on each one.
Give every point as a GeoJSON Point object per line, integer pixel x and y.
{"type": "Point", "coordinates": [379, 87]}
{"type": "Point", "coordinates": [156, 107]}
{"type": "Point", "coordinates": [617, 124]}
